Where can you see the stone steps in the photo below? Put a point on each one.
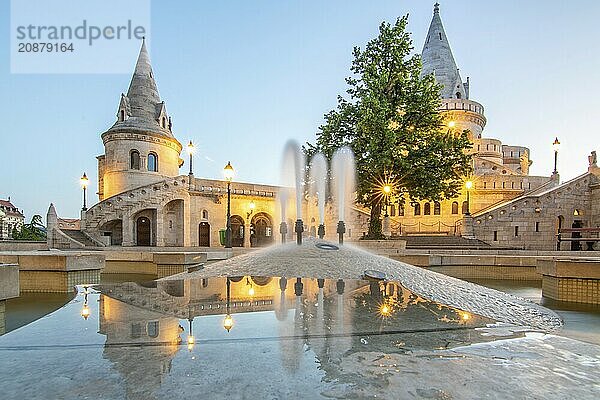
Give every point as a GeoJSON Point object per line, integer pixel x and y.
{"type": "Point", "coordinates": [79, 236]}
{"type": "Point", "coordinates": [443, 242]}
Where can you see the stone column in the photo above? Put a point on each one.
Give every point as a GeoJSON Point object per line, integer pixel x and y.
{"type": "Point", "coordinates": [468, 230]}
{"type": "Point", "coordinates": [187, 222]}
{"type": "Point", "coordinates": [386, 227]}
{"type": "Point", "coordinates": [160, 227]}
{"type": "Point", "coordinates": [247, 234]}
{"type": "Point", "coordinates": [51, 225]}
{"type": "Point", "coordinates": [128, 231]}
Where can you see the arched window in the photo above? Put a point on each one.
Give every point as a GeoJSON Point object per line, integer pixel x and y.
{"type": "Point", "coordinates": [458, 95]}
{"type": "Point", "coordinates": [122, 115]}
{"type": "Point", "coordinates": [204, 214]}
{"type": "Point", "coordinates": [417, 209]}
{"type": "Point", "coordinates": [465, 207]}
{"type": "Point", "coordinates": [455, 207]}
{"type": "Point", "coordinates": [401, 210]}
{"type": "Point", "coordinates": [436, 208]}
{"type": "Point", "coordinates": [427, 209]}
{"type": "Point", "coordinates": [152, 162]}
{"type": "Point", "coordinates": [152, 329]}
{"type": "Point", "coordinates": [134, 159]}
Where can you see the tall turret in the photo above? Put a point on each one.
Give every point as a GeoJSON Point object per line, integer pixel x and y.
{"type": "Point", "coordinates": [140, 148]}
{"type": "Point", "coordinates": [438, 60]}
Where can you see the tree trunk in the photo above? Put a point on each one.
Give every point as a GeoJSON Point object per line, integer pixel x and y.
{"type": "Point", "coordinates": [375, 222]}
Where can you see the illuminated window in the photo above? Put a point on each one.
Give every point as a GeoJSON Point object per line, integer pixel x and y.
{"type": "Point", "coordinates": [152, 162]}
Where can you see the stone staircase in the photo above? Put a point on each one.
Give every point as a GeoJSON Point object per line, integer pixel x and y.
{"type": "Point", "coordinates": [444, 242]}
{"type": "Point", "coordinates": [79, 237]}
{"type": "Point", "coordinates": [131, 201]}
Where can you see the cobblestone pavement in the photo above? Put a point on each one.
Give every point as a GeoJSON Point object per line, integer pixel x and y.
{"type": "Point", "coordinates": [349, 262]}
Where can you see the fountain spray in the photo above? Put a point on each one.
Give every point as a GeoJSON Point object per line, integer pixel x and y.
{"type": "Point", "coordinates": [283, 198]}
{"type": "Point", "coordinates": [318, 176]}
{"type": "Point", "coordinates": [343, 177]}
{"type": "Point", "coordinates": [293, 170]}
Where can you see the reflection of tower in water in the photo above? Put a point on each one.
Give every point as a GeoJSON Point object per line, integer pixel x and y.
{"type": "Point", "coordinates": [140, 343]}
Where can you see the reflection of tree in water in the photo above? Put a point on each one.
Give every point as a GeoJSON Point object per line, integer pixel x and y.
{"type": "Point", "coordinates": [409, 321]}
{"type": "Point", "coordinates": [353, 322]}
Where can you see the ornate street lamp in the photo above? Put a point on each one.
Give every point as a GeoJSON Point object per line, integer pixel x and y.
{"type": "Point", "coordinates": [84, 181]}
{"type": "Point", "coordinates": [387, 190]}
{"type": "Point", "coordinates": [228, 172]}
{"type": "Point", "coordinates": [191, 149]}
{"type": "Point", "coordinates": [556, 147]}
{"type": "Point", "coordinates": [251, 206]}
{"type": "Point", "coordinates": [469, 186]}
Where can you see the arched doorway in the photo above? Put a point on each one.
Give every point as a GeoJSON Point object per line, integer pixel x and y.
{"type": "Point", "coordinates": [173, 223]}
{"type": "Point", "coordinates": [204, 234]}
{"type": "Point", "coordinates": [237, 231]}
{"type": "Point", "coordinates": [114, 231]}
{"type": "Point", "coordinates": [262, 232]}
{"type": "Point", "coordinates": [575, 245]}
{"type": "Point", "coordinates": [143, 231]}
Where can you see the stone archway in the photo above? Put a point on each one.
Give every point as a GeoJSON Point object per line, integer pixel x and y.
{"type": "Point", "coordinates": [173, 223]}
{"type": "Point", "coordinates": [114, 231]}
{"type": "Point", "coordinates": [237, 231]}
{"type": "Point", "coordinates": [143, 236]}
{"type": "Point", "coordinates": [261, 230]}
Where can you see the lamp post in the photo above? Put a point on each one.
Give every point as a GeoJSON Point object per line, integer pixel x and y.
{"type": "Point", "coordinates": [228, 172]}
{"type": "Point", "coordinates": [191, 149]}
{"type": "Point", "coordinates": [247, 231]}
{"type": "Point", "coordinates": [469, 186]}
{"type": "Point", "coordinates": [386, 190]}
{"type": "Point", "coordinates": [556, 147]}
{"type": "Point", "coordinates": [84, 181]}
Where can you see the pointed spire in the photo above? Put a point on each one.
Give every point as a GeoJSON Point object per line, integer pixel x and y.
{"type": "Point", "coordinates": [143, 92]}
{"type": "Point", "coordinates": [437, 57]}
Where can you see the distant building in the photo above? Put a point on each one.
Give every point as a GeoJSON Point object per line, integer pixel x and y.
{"type": "Point", "coordinates": [10, 219]}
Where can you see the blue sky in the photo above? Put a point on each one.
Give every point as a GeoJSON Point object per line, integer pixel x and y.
{"type": "Point", "coordinates": [242, 77]}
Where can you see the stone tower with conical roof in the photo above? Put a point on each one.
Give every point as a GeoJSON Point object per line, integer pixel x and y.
{"type": "Point", "coordinates": [139, 149]}
{"type": "Point", "coordinates": [438, 60]}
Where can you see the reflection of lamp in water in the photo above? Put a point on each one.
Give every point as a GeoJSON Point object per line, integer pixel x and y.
{"type": "Point", "coordinates": [385, 310]}
{"type": "Point", "coordinates": [251, 288]}
{"type": "Point", "coordinates": [191, 340]}
{"type": "Point", "coordinates": [85, 311]}
{"type": "Point", "coordinates": [228, 321]}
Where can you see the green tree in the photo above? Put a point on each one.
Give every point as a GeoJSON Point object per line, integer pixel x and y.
{"type": "Point", "coordinates": [390, 118]}
{"type": "Point", "coordinates": [32, 231]}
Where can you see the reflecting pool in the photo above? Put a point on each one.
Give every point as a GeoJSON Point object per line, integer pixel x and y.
{"type": "Point", "coordinates": [271, 337]}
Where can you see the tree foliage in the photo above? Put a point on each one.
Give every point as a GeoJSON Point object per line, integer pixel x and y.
{"type": "Point", "coordinates": [390, 118]}
{"type": "Point", "coordinates": [32, 231]}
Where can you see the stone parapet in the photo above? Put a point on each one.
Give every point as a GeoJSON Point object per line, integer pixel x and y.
{"type": "Point", "coordinates": [9, 281]}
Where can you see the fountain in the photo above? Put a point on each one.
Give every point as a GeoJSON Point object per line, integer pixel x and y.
{"type": "Point", "coordinates": [318, 179]}
{"type": "Point", "coordinates": [342, 168]}
{"type": "Point", "coordinates": [293, 169]}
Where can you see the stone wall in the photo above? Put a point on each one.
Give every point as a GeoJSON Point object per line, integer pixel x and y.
{"type": "Point", "coordinates": [22, 245]}
{"type": "Point", "coordinates": [531, 221]}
